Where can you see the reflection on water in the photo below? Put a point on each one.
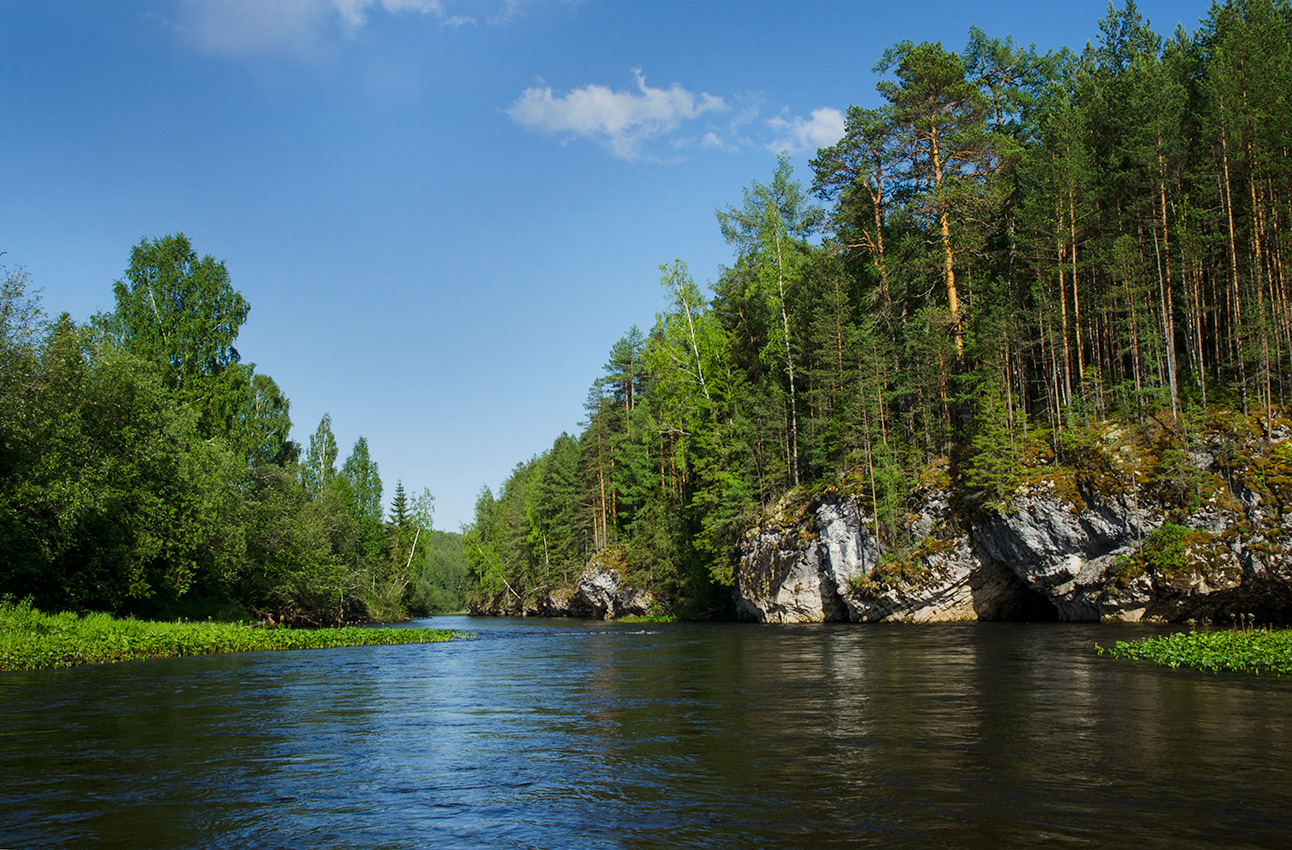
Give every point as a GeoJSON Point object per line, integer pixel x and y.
{"type": "Point", "coordinates": [568, 733]}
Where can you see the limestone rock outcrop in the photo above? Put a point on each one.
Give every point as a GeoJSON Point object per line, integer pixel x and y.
{"type": "Point", "coordinates": [1059, 548]}
{"type": "Point", "coordinates": [603, 590]}
{"type": "Point", "coordinates": [600, 593]}
{"type": "Point", "coordinates": [800, 573]}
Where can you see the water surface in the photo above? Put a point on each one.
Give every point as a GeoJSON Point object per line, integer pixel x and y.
{"type": "Point", "coordinates": [555, 734]}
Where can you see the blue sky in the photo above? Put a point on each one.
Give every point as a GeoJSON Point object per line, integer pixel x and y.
{"type": "Point", "coordinates": [443, 212]}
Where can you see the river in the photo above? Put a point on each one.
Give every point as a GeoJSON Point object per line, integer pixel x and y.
{"type": "Point", "coordinates": [558, 734]}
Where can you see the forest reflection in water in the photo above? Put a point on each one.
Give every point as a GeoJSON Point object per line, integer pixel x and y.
{"type": "Point", "coordinates": [562, 733]}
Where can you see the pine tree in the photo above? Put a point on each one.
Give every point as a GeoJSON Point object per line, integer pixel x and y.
{"type": "Point", "coordinates": [399, 512]}
{"type": "Point", "coordinates": [941, 117]}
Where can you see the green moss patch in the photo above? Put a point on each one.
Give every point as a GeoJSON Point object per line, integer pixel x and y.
{"type": "Point", "coordinates": [903, 570]}
{"type": "Point", "coordinates": [1174, 556]}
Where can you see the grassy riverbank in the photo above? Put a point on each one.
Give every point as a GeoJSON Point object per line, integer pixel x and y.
{"type": "Point", "coordinates": [31, 639]}
{"type": "Point", "coordinates": [1245, 650]}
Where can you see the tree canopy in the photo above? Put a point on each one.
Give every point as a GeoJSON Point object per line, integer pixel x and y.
{"type": "Point", "coordinates": [1016, 243]}
{"type": "Point", "coordinates": [145, 469]}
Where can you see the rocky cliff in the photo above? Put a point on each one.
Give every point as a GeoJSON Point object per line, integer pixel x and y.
{"type": "Point", "coordinates": [1127, 526]}
{"type": "Point", "coordinates": [600, 593]}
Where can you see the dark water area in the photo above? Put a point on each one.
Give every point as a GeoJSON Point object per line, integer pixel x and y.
{"type": "Point", "coordinates": [555, 734]}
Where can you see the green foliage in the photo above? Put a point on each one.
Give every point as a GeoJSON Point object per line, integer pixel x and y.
{"type": "Point", "coordinates": [482, 546]}
{"type": "Point", "coordinates": [995, 466]}
{"type": "Point", "coordinates": [111, 495]}
{"type": "Point", "coordinates": [362, 482]}
{"type": "Point", "coordinates": [143, 468]}
{"type": "Point", "coordinates": [178, 310]}
{"type": "Point", "coordinates": [399, 513]}
{"type": "Point", "coordinates": [295, 569]}
{"type": "Point", "coordinates": [31, 640]}
{"type": "Point", "coordinates": [1165, 550]}
{"type": "Point", "coordinates": [260, 421]}
{"type": "Point", "coordinates": [1178, 478]}
{"type": "Point", "coordinates": [1244, 650]}
{"type": "Point", "coordinates": [1164, 556]}
{"type": "Point", "coordinates": [319, 467]}
{"type": "Point", "coordinates": [443, 583]}
{"type": "Point", "coordinates": [422, 510]}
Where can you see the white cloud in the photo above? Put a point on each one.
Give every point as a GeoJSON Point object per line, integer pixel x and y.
{"type": "Point", "coordinates": [797, 134]}
{"type": "Point", "coordinates": [622, 121]}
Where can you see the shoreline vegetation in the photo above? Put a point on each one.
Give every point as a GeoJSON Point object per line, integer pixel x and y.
{"type": "Point", "coordinates": [146, 471]}
{"type": "Point", "coordinates": [1243, 649]}
{"type": "Point", "coordinates": [32, 640]}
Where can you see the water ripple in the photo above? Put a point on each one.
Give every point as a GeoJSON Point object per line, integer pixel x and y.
{"type": "Point", "coordinates": [547, 735]}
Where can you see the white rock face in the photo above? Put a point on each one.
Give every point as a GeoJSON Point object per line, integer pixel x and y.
{"type": "Point", "coordinates": [817, 574]}
{"type": "Point", "coordinates": [947, 594]}
{"type": "Point", "coordinates": [602, 591]}
{"type": "Point", "coordinates": [791, 577]}
{"type": "Point", "coordinates": [1062, 551]}
{"type": "Point", "coordinates": [1044, 558]}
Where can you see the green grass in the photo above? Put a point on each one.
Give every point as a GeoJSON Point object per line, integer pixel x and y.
{"type": "Point", "coordinates": [1245, 650]}
{"type": "Point", "coordinates": [647, 618]}
{"type": "Point", "coordinates": [31, 639]}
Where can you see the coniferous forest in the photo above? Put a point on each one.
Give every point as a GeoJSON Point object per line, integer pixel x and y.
{"type": "Point", "coordinates": [1011, 247]}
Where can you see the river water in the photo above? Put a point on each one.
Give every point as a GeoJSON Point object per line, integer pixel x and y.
{"type": "Point", "coordinates": [556, 734]}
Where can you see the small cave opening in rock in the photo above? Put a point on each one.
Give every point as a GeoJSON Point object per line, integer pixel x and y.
{"type": "Point", "coordinates": [999, 594]}
{"type": "Point", "coordinates": [1033, 607]}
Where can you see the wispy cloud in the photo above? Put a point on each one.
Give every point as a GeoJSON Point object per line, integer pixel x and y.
{"type": "Point", "coordinates": [247, 27]}
{"type": "Point", "coordinates": [623, 121]}
{"type": "Point", "coordinates": [713, 140]}
{"type": "Point", "coordinates": [251, 27]}
{"type": "Point", "coordinates": [354, 13]}
{"type": "Point", "coordinates": [797, 134]}
{"type": "Point", "coordinates": [507, 11]}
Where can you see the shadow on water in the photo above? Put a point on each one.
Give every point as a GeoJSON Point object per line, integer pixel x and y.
{"type": "Point", "coordinates": [561, 733]}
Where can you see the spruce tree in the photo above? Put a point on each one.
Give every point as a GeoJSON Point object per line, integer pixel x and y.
{"type": "Point", "coordinates": [399, 513]}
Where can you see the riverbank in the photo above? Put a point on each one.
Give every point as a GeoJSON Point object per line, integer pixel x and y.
{"type": "Point", "coordinates": [1129, 522]}
{"type": "Point", "coordinates": [31, 639]}
{"type": "Point", "coordinates": [1244, 650]}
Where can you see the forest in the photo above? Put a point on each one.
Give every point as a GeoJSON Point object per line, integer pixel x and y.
{"type": "Point", "coordinates": [1012, 247]}
{"type": "Point", "coordinates": [145, 470]}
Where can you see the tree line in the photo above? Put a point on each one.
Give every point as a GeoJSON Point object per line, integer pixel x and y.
{"type": "Point", "coordinates": [1011, 245]}
{"type": "Point", "coordinates": [145, 469]}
